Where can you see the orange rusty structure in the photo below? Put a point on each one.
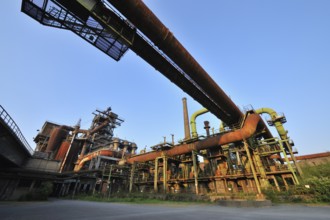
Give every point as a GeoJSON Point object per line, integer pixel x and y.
{"type": "Point", "coordinates": [249, 128]}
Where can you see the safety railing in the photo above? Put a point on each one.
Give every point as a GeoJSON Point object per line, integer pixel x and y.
{"type": "Point", "coordinates": [7, 120]}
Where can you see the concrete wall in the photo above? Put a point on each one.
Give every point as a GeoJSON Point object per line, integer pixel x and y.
{"type": "Point", "coordinates": [314, 161]}
{"type": "Point", "coordinates": [43, 165]}
{"type": "Point", "coordinates": [12, 152]}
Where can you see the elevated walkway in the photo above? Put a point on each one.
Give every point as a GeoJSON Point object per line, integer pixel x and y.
{"type": "Point", "coordinates": [14, 149]}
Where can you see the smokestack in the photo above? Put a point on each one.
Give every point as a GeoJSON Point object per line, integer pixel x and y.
{"type": "Point", "coordinates": [186, 119]}
{"type": "Point", "coordinates": [207, 128]}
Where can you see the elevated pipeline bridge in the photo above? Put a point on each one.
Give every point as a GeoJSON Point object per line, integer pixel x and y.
{"type": "Point", "coordinates": [14, 149]}
{"type": "Point", "coordinates": [114, 26]}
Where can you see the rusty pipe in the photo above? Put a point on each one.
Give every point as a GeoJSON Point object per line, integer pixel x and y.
{"type": "Point", "coordinates": [147, 22]}
{"type": "Point", "coordinates": [90, 156]}
{"type": "Point", "coordinates": [147, 52]}
{"type": "Point", "coordinates": [249, 128]}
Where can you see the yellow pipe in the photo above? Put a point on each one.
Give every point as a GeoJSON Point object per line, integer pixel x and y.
{"type": "Point", "coordinates": [193, 121]}
{"type": "Point", "coordinates": [222, 127]}
{"type": "Point", "coordinates": [283, 135]}
{"type": "Point", "coordinates": [278, 124]}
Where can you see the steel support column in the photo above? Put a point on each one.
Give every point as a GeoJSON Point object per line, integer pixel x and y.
{"type": "Point", "coordinates": [295, 178]}
{"type": "Point", "coordinates": [109, 181]}
{"type": "Point", "coordinates": [156, 176]}
{"type": "Point", "coordinates": [164, 173]}
{"type": "Point", "coordinates": [131, 180]}
{"type": "Point", "coordinates": [194, 155]}
{"type": "Point", "coordinates": [252, 167]}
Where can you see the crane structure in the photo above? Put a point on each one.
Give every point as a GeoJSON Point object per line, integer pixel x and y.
{"type": "Point", "coordinates": [242, 157]}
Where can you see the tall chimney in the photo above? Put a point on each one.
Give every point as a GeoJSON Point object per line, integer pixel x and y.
{"type": "Point", "coordinates": [186, 120]}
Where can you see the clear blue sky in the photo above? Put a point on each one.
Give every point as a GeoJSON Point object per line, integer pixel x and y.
{"type": "Point", "coordinates": [264, 53]}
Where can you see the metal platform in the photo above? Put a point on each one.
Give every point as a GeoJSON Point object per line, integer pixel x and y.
{"type": "Point", "coordinates": [52, 13]}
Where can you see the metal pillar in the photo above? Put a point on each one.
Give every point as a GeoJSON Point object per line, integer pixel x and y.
{"type": "Point", "coordinates": [295, 179]}
{"type": "Point", "coordinates": [165, 173]}
{"type": "Point", "coordinates": [101, 184]}
{"type": "Point", "coordinates": [285, 183]}
{"type": "Point", "coordinates": [264, 181]}
{"type": "Point", "coordinates": [276, 183]}
{"type": "Point", "coordinates": [252, 166]}
{"type": "Point", "coordinates": [75, 188]}
{"type": "Point", "coordinates": [156, 176]}
{"type": "Point", "coordinates": [293, 158]}
{"type": "Point", "coordinates": [131, 180]}
{"type": "Point", "coordinates": [109, 181]}
{"type": "Point", "coordinates": [195, 170]}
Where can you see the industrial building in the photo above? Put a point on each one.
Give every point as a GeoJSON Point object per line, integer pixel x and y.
{"type": "Point", "coordinates": [242, 156]}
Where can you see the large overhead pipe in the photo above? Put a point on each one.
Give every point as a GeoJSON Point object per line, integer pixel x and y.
{"type": "Point", "coordinates": [151, 55]}
{"type": "Point", "coordinates": [250, 127]}
{"type": "Point", "coordinates": [193, 121]}
{"type": "Point", "coordinates": [147, 22]}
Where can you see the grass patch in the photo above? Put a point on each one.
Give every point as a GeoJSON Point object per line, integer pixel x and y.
{"type": "Point", "coordinates": [140, 198]}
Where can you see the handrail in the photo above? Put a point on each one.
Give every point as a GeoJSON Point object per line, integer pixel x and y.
{"type": "Point", "coordinates": [5, 117]}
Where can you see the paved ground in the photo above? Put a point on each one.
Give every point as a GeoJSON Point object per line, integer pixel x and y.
{"type": "Point", "coordinates": [67, 209]}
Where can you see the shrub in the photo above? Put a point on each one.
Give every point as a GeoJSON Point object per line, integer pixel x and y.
{"type": "Point", "coordinates": [318, 180]}
{"type": "Point", "coordinates": [42, 193]}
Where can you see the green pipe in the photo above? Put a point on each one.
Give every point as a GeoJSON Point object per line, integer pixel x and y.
{"type": "Point", "coordinates": [278, 124]}
{"type": "Point", "coordinates": [193, 121]}
{"type": "Point", "coordinates": [222, 127]}
{"type": "Point", "coordinates": [283, 134]}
